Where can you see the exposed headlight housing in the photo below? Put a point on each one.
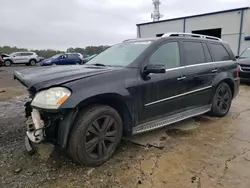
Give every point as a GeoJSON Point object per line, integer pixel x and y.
{"type": "Point", "coordinates": [52, 98]}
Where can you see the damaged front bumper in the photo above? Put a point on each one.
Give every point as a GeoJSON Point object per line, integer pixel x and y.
{"type": "Point", "coordinates": [48, 126]}
{"type": "Point", "coordinates": [35, 127]}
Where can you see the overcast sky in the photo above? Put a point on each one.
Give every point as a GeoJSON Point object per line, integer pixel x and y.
{"type": "Point", "coordinates": [60, 24]}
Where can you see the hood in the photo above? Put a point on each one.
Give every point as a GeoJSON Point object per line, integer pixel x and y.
{"type": "Point", "coordinates": [43, 77]}
{"type": "Point", "coordinates": [244, 61]}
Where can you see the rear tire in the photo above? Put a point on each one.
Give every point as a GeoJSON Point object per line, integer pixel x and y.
{"type": "Point", "coordinates": [95, 135]}
{"type": "Point", "coordinates": [32, 62]}
{"type": "Point", "coordinates": [7, 63]}
{"type": "Point", "coordinates": [222, 100]}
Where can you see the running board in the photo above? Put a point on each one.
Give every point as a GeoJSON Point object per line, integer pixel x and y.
{"type": "Point", "coordinates": [155, 124]}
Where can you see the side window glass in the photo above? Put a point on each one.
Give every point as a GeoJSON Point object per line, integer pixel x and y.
{"type": "Point", "coordinates": [219, 52]}
{"type": "Point", "coordinates": [207, 53]}
{"type": "Point", "coordinates": [167, 54]}
{"type": "Point", "coordinates": [194, 53]}
{"type": "Point", "coordinates": [63, 56]}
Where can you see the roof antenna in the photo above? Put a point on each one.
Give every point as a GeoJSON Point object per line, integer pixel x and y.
{"type": "Point", "coordinates": [156, 15]}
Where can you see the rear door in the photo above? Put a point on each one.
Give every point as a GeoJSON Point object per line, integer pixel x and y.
{"type": "Point", "coordinates": [200, 72]}
{"type": "Point", "coordinates": [26, 57]}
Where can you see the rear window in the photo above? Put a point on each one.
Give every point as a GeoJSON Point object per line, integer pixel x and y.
{"type": "Point", "coordinates": [194, 53]}
{"type": "Point", "coordinates": [219, 52]}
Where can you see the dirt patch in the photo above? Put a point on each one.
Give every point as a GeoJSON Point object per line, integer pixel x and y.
{"type": "Point", "coordinates": [9, 87]}
{"type": "Point", "coordinates": [8, 93]}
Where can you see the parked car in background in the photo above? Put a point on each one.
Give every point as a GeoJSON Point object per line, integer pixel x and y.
{"type": "Point", "coordinates": [132, 87]}
{"type": "Point", "coordinates": [63, 59]}
{"type": "Point", "coordinates": [85, 60]}
{"type": "Point", "coordinates": [41, 58]}
{"type": "Point", "coordinates": [79, 55]}
{"type": "Point", "coordinates": [244, 62]}
{"type": "Point", "coordinates": [28, 58]}
{"type": "Point", "coordinates": [1, 61]}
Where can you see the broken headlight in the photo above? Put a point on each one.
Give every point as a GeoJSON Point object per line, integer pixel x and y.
{"type": "Point", "coordinates": [52, 98]}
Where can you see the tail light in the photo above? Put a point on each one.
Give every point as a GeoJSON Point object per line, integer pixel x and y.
{"type": "Point", "coordinates": [237, 71]}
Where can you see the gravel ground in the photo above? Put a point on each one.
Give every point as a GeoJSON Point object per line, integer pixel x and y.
{"type": "Point", "coordinates": [214, 153]}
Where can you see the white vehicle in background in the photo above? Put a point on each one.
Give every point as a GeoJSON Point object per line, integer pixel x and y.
{"type": "Point", "coordinates": [28, 58]}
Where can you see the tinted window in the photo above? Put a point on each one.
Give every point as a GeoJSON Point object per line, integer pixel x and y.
{"type": "Point", "coordinates": [194, 53]}
{"type": "Point", "coordinates": [17, 54]}
{"type": "Point", "coordinates": [219, 52]}
{"type": "Point", "coordinates": [167, 54]}
{"type": "Point", "coordinates": [27, 54]}
{"type": "Point", "coordinates": [207, 53]}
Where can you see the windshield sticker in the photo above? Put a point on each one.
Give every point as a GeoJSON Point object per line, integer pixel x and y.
{"type": "Point", "coordinates": [143, 42]}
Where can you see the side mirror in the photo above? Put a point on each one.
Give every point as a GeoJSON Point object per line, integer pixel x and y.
{"type": "Point", "coordinates": [154, 68]}
{"type": "Point", "coordinates": [237, 57]}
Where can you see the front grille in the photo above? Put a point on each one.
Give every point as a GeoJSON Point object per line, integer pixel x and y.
{"type": "Point", "coordinates": [245, 68]}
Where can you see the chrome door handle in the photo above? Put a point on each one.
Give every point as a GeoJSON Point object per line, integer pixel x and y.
{"type": "Point", "coordinates": [214, 70]}
{"type": "Point", "coordinates": [181, 78]}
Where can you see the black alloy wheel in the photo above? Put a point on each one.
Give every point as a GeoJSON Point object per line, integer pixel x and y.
{"type": "Point", "coordinates": [96, 134]}
{"type": "Point", "coordinates": [100, 137]}
{"type": "Point", "coordinates": [222, 100]}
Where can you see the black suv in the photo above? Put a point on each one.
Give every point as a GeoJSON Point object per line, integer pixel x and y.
{"type": "Point", "coordinates": [133, 87]}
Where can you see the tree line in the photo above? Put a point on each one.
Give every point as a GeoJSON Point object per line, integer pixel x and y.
{"type": "Point", "coordinates": [46, 53]}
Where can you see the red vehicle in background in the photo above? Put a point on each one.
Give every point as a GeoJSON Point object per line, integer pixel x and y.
{"type": "Point", "coordinates": [1, 61]}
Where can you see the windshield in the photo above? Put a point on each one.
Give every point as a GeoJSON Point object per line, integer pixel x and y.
{"type": "Point", "coordinates": [12, 54]}
{"type": "Point", "coordinates": [121, 54]}
{"type": "Point", "coordinates": [56, 56]}
{"type": "Point", "coordinates": [246, 54]}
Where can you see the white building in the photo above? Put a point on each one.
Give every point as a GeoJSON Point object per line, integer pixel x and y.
{"type": "Point", "coordinates": [232, 26]}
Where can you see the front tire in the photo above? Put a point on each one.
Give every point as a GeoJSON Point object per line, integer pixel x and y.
{"type": "Point", "coordinates": [7, 63]}
{"type": "Point", "coordinates": [222, 100]}
{"type": "Point", "coordinates": [95, 136]}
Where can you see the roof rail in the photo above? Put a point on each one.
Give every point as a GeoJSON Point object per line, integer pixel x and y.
{"type": "Point", "coordinates": [129, 40]}
{"type": "Point", "coordinates": [191, 35]}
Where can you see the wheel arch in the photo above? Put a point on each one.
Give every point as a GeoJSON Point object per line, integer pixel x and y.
{"type": "Point", "coordinates": [32, 59]}
{"type": "Point", "coordinates": [224, 77]}
{"type": "Point", "coordinates": [113, 100]}
{"type": "Point", "coordinates": [8, 60]}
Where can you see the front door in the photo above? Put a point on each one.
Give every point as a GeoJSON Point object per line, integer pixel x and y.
{"type": "Point", "coordinates": [17, 58]}
{"type": "Point", "coordinates": [160, 94]}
